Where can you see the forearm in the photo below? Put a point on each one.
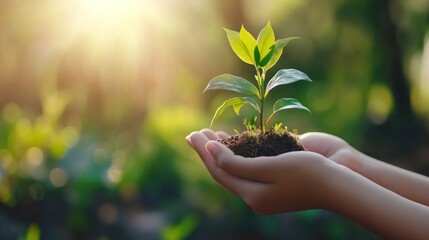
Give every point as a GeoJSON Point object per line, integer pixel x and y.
{"type": "Point", "coordinates": [403, 182]}
{"type": "Point", "coordinates": [376, 208]}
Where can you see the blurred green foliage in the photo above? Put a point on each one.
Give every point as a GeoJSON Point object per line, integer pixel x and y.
{"type": "Point", "coordinates": [96, 98]}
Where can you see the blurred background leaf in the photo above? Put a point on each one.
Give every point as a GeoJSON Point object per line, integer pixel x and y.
{"type": "Point", "coordinates": [96, 98]}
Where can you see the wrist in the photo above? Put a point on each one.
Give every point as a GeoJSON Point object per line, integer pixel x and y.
{"type": "Point", "coordinates": [330, 189]}
{"type": "Point", "coordinates": [345, 187]}
{"type": "Point", "coordinates": [375, 207]}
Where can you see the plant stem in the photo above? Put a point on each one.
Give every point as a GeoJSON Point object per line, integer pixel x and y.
{"type": "Point", "coordinates": [261, 87]}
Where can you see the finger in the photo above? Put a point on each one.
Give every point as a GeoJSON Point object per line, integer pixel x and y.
{"type": "Point", "coordinates": [189, 140]}
{"type": "Point", "coordinates": [236, 185]}
{"type": "Point", "coordinates": [241, 187]}
{"type": "Point", "coordinates": [317, 142]}
{"type": "Point", "coordinates": [210, 134]}
{"type": "Point", "coordinates": [255, 169]}
{"type": "Point", "coordinates": [222, 134]}
{"type": "Point", "coordinates": [198, 141]}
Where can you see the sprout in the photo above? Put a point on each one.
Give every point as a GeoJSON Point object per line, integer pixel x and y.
{"type": "Point", "coordinates": [263, 53]}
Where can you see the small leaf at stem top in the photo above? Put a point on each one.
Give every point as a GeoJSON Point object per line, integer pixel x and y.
{"type": "Point", "coordinates": [238, 46]}
{"type": "Point", "coordinates": [233, 83]}
{"type": "Point", "coordinates": [257, 56]}
{"type": "Point", "coordinates": [266, 40]}
{"type": "Point", "coordinates": [267, 58]}
{"type": "Point", "coordinates": [278, 50]}
{"type": "Point", "coordinates": [249, 42]}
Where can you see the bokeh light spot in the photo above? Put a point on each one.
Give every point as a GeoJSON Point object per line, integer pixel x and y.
{"type": "Point", "coordinates": [35, 156]}
{"type": "Point", "coordinates": [419, 93]}
{"type": "Point", "coordinates": [58, 177]}
{"type": "Point", "coordinates": [114, 174]}
{"type": "Point", "coordinates": [380, 103]}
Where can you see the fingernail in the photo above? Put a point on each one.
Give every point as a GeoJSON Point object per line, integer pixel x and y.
{"type": "Point", "coordinates": [211, 148]}
{"type": "Point", "coordinates": [188, 139]}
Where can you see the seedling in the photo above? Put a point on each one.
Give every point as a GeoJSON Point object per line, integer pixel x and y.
{"type": "Point", "coordinates": [263, 53]}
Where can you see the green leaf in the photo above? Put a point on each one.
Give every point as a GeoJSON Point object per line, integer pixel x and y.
{"type": "Point", "coordinates": [277, 126]}
{"type": "Point", "coordinates": [267, 58]}
{"type": "Point", "coordinates": [286, 76]}
{"type": "Point", "coordinates": [278, 50]}
{"type": "Point", "coordinates": [250, 123]}
{"type": "Point", "coordinates": [281, 43]}
{"type": "Point", "coordinates": [238, 46]}
{"type": "Point", "coordinates": [249, 42]}
{"type": "Point", "coordinates": [233, 83]}
{"type": "Point", "coordinates": [237, 103]}
{"type": "Point", "coordinates": [257, 56]}
{"type": "Point", "coordinates": [266, 40]}
{"type": "Point", "coordinates": [284, 104]}
{"type": "Point", "coordinates": [288, 103]}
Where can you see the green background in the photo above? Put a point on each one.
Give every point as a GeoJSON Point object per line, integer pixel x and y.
{"type": "Point", "coordinates": [96, 98]}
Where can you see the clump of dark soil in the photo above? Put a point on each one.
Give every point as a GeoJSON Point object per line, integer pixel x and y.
{"type": "Point", "coordinates": [256, 143]}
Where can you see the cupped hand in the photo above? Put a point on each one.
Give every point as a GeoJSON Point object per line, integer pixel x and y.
{"type": "Point", "coordinates": [333, 148]}
{"type": "Point", "coordinates": [288, 182]}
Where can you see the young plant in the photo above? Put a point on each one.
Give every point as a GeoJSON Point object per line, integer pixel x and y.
{"type": "Point", "coordinates": [263, 53]}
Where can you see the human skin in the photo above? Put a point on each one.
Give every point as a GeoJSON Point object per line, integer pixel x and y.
{"type": "Point", "coordinates": [403, 182]}
{"type": "Point", "coordinates": [331, 175]}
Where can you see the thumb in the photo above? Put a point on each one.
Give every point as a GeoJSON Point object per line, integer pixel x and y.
{"type": "Point", "coordinates": [248, 168]}
{"type": "Point", "coordinates": [219, 152]}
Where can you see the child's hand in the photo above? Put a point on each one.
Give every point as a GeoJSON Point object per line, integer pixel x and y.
{"type": "Point", "coordinates": [288, 182]}
{"type": "Point", "coordinates": [388, 200]}
{"type": "Point", "coordinates": [333, 148]}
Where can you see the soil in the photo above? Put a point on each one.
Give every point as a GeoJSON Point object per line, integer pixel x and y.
{"type": "Point", "coordinates": [256, 144]}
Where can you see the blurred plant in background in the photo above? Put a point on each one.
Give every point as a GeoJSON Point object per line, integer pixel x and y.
{"type": "Point", "coordinates": [96, 98]}
{"type": "Point", "coordinates": [30, 148]}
